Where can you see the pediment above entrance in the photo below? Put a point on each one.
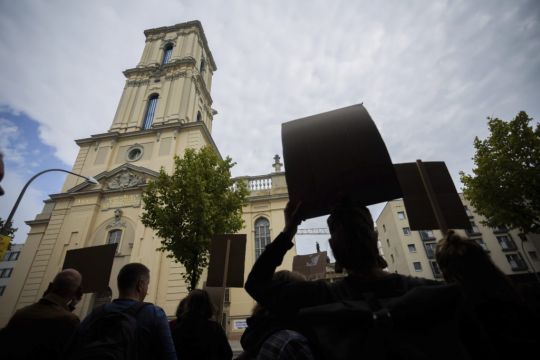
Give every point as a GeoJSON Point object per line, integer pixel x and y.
{"type": "Point", "coordinates": [126, 176]}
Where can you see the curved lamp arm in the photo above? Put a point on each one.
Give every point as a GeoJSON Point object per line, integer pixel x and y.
{"type": "Point", "coordinates": [12, 213]}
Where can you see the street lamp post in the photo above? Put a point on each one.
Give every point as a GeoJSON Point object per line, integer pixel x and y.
{"type": "Point", "coordinates": [12, 213]}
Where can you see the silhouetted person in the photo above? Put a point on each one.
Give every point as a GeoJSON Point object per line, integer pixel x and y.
{"type": "Point", "coordinates": [510, 324]}
{"type": "Point", "coordinates": [359, 315]}
{"type": "Point", "coordinates": [354, 245]}
{"type": "Point", "coordinates": [270, 336]}
{"type": "Point", "coordinates": [196, 335]}
{"type": "Point", "coordinates": [40, 331]}
{"type": "Point", "coordinates": [127, 328]}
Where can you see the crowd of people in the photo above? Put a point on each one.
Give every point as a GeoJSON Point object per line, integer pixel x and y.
{"type": "Point", "coordinates": [370, 313]}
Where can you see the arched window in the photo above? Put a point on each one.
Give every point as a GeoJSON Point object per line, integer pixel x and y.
{"type": "Point", "coordinates": [150, 111]}
{"type": "Point", "coordinates": [203, 66]}
{"type": "Point", "coordinates": [114, 237]}
{"type": "Point", "coordinates": [262, 235]}
{"type": "Point", "coordinates": [199, 116]}
{"type": "Point", "coordinates": [167, 53]}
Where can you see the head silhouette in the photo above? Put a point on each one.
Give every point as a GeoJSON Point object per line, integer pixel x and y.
{"type": "Point", "coordinates": [464, 261]}
{"type": "Point", "coordinates": [133, 280]}
{"type": "Point", "coordinates": [67, 284]}
{"type": "Point", "coordinates": [197, 304]}
{"type": "Point", "coordinates": [353, 238]}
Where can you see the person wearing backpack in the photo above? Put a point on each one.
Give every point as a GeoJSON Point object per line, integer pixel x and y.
{"type": "Point", "coordinates": [39, 331]}
{"type": "Point", "coordinates": [127, 328]}
{"type": "Point", "coordinates": [371, 312]}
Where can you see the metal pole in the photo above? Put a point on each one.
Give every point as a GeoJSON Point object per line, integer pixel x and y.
{"type": "Point", "coordinates": [224, 283]}
{"type": "Point", "coordinates": [432, 197]}
{"type": "Point", "coordinates": [12, 213]}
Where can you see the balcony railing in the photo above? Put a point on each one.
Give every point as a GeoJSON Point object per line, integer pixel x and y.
{"type": "Point", "coordinates": [256, 183]}
{"type": "Point", "coordinates": [260, 183]}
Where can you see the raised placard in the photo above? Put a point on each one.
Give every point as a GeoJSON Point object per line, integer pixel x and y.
{"type": "Point", "coordinates": [94, 263]}
{"type": "Point", "coordinates": [334, 155]}
{"type": "Point", "coordinates": [235, 262]}
{"type": "Point", "coordinates": [417, 203]}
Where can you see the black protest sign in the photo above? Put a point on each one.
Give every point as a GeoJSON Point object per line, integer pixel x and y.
{"type": "Point", "coordinates": [236, 244]}
{"type": "Point", "coordinates": [437, 184]}
{"type": "Point", "coordinates": [334, 155]}
{"type": "Point", "coordinates": [94, 263]}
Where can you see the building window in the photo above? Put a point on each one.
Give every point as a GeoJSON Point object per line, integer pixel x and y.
{"type": "Point", "coordinates": [14, 256]}
{"type": "Point", "coordinates": [167, 53]}
{"type": "Point", "coordinates": [392, 257]}
{"type": "Point", "coordinates": [430, 249]}
{"type": "Point", "coordinates": [481, 242]}
{"type": "Point", "coordinates": [507, 244]}
{"type": "Point", "coordinates": [262, 235]}
{"type": "Point", "coordinates": [417, 266]}
{"type": "Point", "coordinates": [468, 212]}
{"type": "Point", "coordinates": [199, 116]}
{"type": "Point", "coordinates": [202, 68]}
{"type": "Point", "coordinates": [500, 229]}
{"type": "Point", "coordinates": [134, 153]}
{"type": "Point", "coordinates": [436, 269]}
{"type": "Point", "coordinates": [474, 229]}
{"type": "Point", "coordinates": [516, 262]}
{"type": "Point", "coordinates": [150, 111]}
{"type": "Point", "coordinates": [384, 228]}
{"type": "Point", "coordinates": [533, 255]}
{"type": "Point", "coordinates": [2, 289]}
{"type": "Point", "coordinates": [5, 273]}
{"type": "Point", "coordinates": [426, 235]}
{"type": "Point", "coordinates": [406, 231]}
{"type": "Point", "coordinates": [412, 248]}
{"type": "Point", "coordinates": [388, 242]}
{"type": "Point", "coordinates": [401, 215]}
{"type": "Point", "coordinates": [114, 237]}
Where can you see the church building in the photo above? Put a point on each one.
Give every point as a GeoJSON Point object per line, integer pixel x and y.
{"type": "Point", "coordinates": [165, 108]}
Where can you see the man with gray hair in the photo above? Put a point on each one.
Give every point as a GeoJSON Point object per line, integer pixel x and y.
{"type": "Point", "coordinates": [40, 330]}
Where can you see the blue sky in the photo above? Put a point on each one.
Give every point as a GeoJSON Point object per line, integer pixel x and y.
{"type": "Point", "coordinates": [429, 73]}
{"type": "Point", "coordinates": [25, 154]}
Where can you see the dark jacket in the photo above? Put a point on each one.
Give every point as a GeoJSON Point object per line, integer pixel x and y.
{"type": "Point", "coordinates": [39, 331]}
{"type": "Point", "coordinates": [152, 327]}
{"type": "Point", "coordinates": [197, 338]}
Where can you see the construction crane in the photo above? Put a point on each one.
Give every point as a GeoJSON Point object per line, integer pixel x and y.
{"type": "Point", "coordinates": [313, 231]}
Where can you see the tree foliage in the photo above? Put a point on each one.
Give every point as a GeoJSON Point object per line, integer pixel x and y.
{"type": "Point", "coordinates": [9, 230]}
{"type": "Point", "coordinates": [191, 205]}
{"type": "Point", "coordinates": [505, 185]}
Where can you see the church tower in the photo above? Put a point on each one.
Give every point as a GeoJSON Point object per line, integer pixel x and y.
{"type": "Point", "coordinates": [165, 108]}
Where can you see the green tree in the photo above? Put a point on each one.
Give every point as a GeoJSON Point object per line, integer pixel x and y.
{"type": "Point", "coordinates": [9, 230]}
{"type": "Point", "coordinates": [505, 185]}
{"type": "Point", "coordinates": [187, 208]}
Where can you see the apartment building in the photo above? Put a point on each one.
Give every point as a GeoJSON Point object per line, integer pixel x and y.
{"type": "Point", "coordinates": [7, 264]}
{"type": "Point", "coordinates": [413, 252]}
